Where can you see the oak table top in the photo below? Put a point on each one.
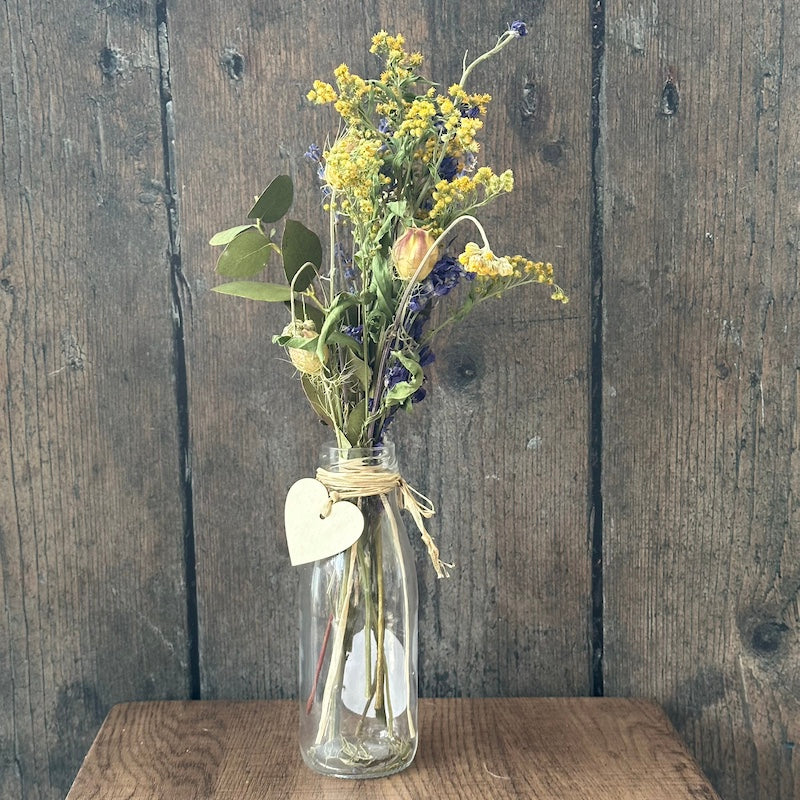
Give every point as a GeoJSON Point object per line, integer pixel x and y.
{"type": "Point", "coordinates": [548, 748]}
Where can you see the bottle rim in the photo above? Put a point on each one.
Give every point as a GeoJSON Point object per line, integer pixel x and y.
{"type": "Point", "coordinates": [381, 455]}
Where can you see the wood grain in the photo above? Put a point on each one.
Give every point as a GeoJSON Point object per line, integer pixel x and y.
{"type": "Point", "coordinates": [701, 473]}
{"type": "Point", "coordinates": [91, 577]}
{"type": "Point", "coordinates": [500, 444]}
{"type": "Point", "coordinates": [543, 749]}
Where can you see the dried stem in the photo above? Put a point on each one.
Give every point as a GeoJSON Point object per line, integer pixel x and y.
{"type": "Point", "coordinates": [320, 661]}
{"type": "Point", "coordinates": [337, 659]}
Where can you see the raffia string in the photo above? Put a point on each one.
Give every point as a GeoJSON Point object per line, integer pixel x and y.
{"type": "Point", "coordinates": [357, 478]}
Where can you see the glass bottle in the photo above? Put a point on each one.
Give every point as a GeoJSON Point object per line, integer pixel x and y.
{"type": "Point", "coordinates": [358, 640]}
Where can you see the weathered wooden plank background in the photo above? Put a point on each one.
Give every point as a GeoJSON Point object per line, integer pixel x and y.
{"type": "Point", "coordinates": [701, 139]}
{"type": "Point", "coordinates": [617, 479]}
{"type": "Point", "coordinates": [91, 531]}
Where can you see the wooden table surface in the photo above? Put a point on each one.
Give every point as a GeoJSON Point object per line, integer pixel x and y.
{"type": "Point", "coordinates": [553, 749]}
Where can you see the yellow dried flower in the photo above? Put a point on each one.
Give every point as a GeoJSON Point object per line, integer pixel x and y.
{"type": "Point", "coordinates": [484, 263]}
{"type": "Point", "coordinates": [322, 93]}
{"type": "Point", "coordinates": [418, 118]}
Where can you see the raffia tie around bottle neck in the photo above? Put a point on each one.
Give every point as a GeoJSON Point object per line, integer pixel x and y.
{"type": "Point", "coordinates": [356, 478]}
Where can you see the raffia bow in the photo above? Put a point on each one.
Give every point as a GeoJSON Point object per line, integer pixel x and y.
{"type": "Point", "coordinates": [357, 478]}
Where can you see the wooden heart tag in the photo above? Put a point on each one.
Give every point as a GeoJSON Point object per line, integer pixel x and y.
{"type": "Point", "coordinates": [313, 530]}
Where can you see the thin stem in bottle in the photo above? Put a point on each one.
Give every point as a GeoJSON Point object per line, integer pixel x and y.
{"type": "Point", "coordinates": [366, 587]}
{"type": "Point", "coordinates": [337, 657]}
{"type": "Point", "coordinates": [320, 662]}
{"type": "Point", "coordinates": [380, 660]}
{"type": "Point", "coordinates": [406, 612]}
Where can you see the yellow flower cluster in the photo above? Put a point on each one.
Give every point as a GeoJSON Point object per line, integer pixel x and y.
{"type": "Point", "coordinates": [392, 48]}
{"type": "Point", "coordinates": [418, 118]}
{"type": "Point", "coordinates": [352, 170]}
{"type": "Point", "coordinates": [352, 90]}
{"type": "Point", "coordinates": [322, 93]}
{"type": "Point", "coordinates": [464, 135]}
{"type": "Point", "coordinates": [460, 96]}
{"type": "Point", "coordinates": [406, 144]}
{"type": "Point", "coordinates": [484, 263]}
{"type": "Point", "coordinates": [524, 266]}
{"type": "Point", "coordinates": [495, 184]}
{"type": "Point", "coordinates": [468, 191]}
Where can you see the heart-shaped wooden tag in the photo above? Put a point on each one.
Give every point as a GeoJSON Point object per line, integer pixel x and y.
{"type": "Point", "coordinates": [311, 533]}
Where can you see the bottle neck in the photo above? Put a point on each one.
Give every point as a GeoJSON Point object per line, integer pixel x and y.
{"type": "Point", "coordinates": [381, 457]}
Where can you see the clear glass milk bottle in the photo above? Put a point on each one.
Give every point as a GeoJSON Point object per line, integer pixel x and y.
{"type": "Point", "coordinates": [358, 633]}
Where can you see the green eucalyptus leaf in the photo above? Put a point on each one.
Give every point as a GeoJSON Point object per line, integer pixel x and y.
{"type": "Point", "coordinates": [275, 200]}
{"type": "Point", "coordinates": [256, 290]}
{"type": "Point", "coordinates": [314, 395]}
{"type": "Point", "coordinates": [302, 250]}
{"type": "Point", "coordinates": [355, 422]}
{"type": "Point", "coordinates": [225, 237]}
{"type": "Point", "coordinates": [246, 254]}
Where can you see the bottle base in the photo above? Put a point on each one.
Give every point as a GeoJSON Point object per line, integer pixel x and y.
{"type": "Point", "coordinates": [342, 757]}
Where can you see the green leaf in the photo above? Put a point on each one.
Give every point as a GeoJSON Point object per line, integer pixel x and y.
{"type": "Point", "coordinates": [301, 248]}
{"type": "Point", "coordinates": [246, 255]}
{"type": "Point", "coordinates": [225, 237]}
{"type": "Point", "coordinates": [403, 390]}
{"type": "Point", "coordinates": [275, 200]}
{"type": "Point", "coordinates": [315, 398]}
{"type": "Point", "coordinates": [342, 339]}
{"type": "Point", "coordinates": [355, 422]}
{"type": "Point", "coordinates": [256, 290]}
{"type": "Point", "coordinates": [383, 286]}
{"type": "Point", "coordinates": [295, 342]}
{"type": "Point", "coordinates": [377, 322]}
{"type": "Point", "coordinates": [398, 207]}
{"type": "Point", "coordinates": [340, 305]}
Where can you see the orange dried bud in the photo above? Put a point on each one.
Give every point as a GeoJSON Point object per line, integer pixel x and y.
{"type": "Point", "coordinates": [409, 251]}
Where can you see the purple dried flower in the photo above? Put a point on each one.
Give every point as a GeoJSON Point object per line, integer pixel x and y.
{"type": "Point", "coordinates": [519, 28]}
{"type": "Point", "coordinates": [426, 356]}
{"type": "Point", "coordinates": [448, 169]}
{"type": "Point", "coordinates": [417, 326]}
{"type": "Point", "coordinates": [444, 277]}
{"type": "Point", "coordinates": [397, 373]}
{"type": "Point", "coordinates": [354, 331]}
{"type": "Point", "coordinates": [419, 395]}
{"type": "Point", "coordinates": [314, 152]}
{"type": "Point", "coordinates": [421, 296]}
{"type": "Point", "coordinates": [386, 423]}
